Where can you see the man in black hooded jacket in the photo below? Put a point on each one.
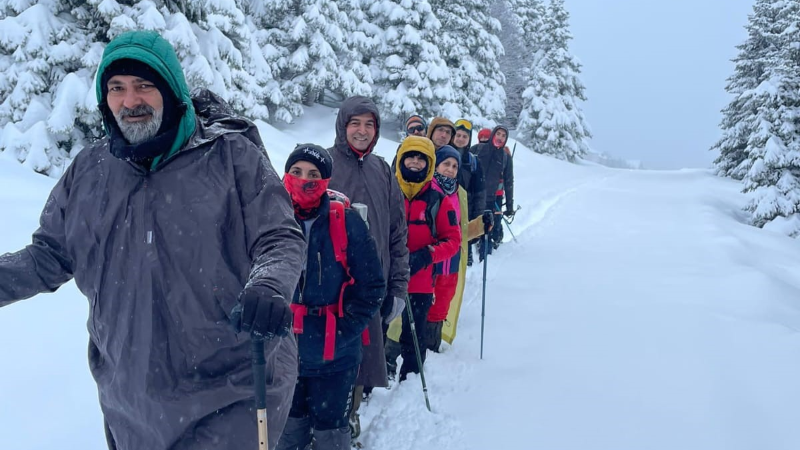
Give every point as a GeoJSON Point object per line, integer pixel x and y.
{"type": "Point", "coordinates": [366, 178]}
{"type": "Point", "coordinates": [498, 169]}
{"type": "Point", "coordinates": [470, 174]}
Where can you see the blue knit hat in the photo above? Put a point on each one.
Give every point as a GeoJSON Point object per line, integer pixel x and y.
{"type": "Point", "coordinates": [445, 152]}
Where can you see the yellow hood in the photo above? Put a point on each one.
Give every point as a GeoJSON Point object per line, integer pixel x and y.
{"type": "Point", "coordinates": [415, 144]}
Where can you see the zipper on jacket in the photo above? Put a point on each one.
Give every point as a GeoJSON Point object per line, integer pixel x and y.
{"type": "Point", "coordinates": [148, 234]}
{"type": "Point", "coordinates": [302, 287]}
{"type": "Point", "coordinates": [319, 264]}
{"type": "Point", "coordinates": [410, 207]}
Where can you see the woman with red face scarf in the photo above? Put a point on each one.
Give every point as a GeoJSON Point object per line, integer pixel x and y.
{"type": "Point", "coordinates": [328, 330]}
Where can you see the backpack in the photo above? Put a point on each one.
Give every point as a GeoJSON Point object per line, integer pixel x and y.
{"type": "Point", "coordinates": [472, 162]}
{"type": "Point", "coordinates": [338, 232]}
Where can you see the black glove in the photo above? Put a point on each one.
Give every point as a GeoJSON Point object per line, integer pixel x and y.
{"type": "Point", "coordinates": [488, 221]}
{"type": "Point", "coordinates": [419, 260]}
{"type": "Point", "coordinates": [509, 212]}
{"type": "Point", "coordinates": [261, 311]}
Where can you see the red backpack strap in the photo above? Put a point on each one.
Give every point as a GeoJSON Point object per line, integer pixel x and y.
{"type": "Point", "coordinates": [338, 203]}
{"type": "Point", "coordinates": [338, 233]}
{"type": "Point", "coordinates": [339, 240]}
{"type": "Point", "coordinates": [298, 312]}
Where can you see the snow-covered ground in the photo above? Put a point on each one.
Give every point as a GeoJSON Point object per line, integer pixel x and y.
{"type": "Point", "coordinates": [634, 311]}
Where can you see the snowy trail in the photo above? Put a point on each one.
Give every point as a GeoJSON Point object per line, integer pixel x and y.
{"type": "Point", "coordinates": [618, 321]}
{"type": "Point", "coordinates": [397, 418]}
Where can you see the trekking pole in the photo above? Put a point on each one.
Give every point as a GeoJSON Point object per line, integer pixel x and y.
{"type": "Point", "coordinates": [260, 382]}
{"type": "Point", "coordinates": [508, 225]}
{"type": "Point", "coordinates": [483, 294]}
{"type": "Point", "coordinates": [417, 351]}
{"type": "Point", "coordinates": [508, 222]}
{"type": "Point", "coordinates": [514, 150]}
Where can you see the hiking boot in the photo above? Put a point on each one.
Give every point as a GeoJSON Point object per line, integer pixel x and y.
{"type": "Point", "coordinates": [367, 393]}
{"type": "Point", "coordinates": [337, 439]}
{"type": "Point", "coordinates": [433, 335]}
{"type": "Point", "coordinates": [296, 434]}
{"type": "Point", "coordinates": [392, 350]}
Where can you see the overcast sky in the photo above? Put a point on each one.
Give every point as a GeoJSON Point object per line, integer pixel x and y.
{"type": "Point", "coordinates": [655, 74]}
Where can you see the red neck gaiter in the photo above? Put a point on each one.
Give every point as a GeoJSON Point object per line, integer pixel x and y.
{"type": "Point", "coordinates": [306, 194]}
{"type": "Point", "coordinates": [359, 153]}
{"type": "Point", "coordinates": [497, 142]}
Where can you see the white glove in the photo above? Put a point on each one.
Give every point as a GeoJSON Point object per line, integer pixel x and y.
{"type": "Point", "coordinates": [398, 306]}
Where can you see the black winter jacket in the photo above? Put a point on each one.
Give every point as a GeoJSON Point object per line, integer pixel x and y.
{"type": "Point", "coordinates": [161, 257]}
{"type": "Point", "coordinates": [370, 181]}
{"type": "Point", "coordinates": [497, 165]}
{"type": "Point", "coordinates": [471, 178]}
{"type": "Point", "coordinates": [321, 283]}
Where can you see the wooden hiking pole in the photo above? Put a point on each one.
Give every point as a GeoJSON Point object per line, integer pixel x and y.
{"type": "Point", "coordinates": [260, 386]}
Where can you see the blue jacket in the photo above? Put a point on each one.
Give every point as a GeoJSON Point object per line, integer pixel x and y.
{"type": "Point", "coordinates": [321, 283]}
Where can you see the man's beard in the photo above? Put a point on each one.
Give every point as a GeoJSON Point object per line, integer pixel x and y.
{"type": "Point", "coordinates": [138, 132]}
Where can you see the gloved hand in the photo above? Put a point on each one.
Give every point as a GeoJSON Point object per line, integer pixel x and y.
{"type": "Point", "coordinates": [509, 212]}
{"type": "Point", "coordinates": [391, 308]}
{"type": "Point", "coordinates": [419, 260]}
{"type": "Point", "coordinates": [488, 221]}
{"type": "Point", "coordinates": [261, 311]}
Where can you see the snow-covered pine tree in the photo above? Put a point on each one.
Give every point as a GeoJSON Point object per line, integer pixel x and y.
{"type": "Point", "coordinates": [739, 116]}
{"type": "Point", "coordinates": [269, 22]}
{"type": "Point", "coordinates": [772, 183]}
{"type": "Point", "coordinates": [51, 50]}
{"type": "Point", "coordinates": [361, 40]}
{"type": "Point", "coordinates": [43, 84]}
{"type": "Point", "coordinates": [551, 121]}
{"type": "Point", "coordinates": [216, 47]}
{"type": "Point", "coordinates": [469, 45]}
{"type": "Point", "coordinates": [315, 40]}
{"type": "Point", "coordinates": [522, 27]}
{"type": "Point", "coordinates": [409, 73]}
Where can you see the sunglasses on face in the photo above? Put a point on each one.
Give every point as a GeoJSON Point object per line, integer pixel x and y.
{"type": "Point", "coordinates": [416, 129]}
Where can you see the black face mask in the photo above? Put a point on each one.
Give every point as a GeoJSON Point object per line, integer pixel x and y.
{"type": "Point", "coordinates": [411, 176]}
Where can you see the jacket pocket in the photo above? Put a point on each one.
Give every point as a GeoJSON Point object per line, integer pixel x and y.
{"type": "Point", "coordinates": [93, 313]}
{"type": "Point", "coordinates": [201, 340]}
{"type": "Point", "coordinates": [97, 361]}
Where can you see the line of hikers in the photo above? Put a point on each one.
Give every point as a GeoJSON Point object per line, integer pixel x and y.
{"type": "Point", "coordinates": [175, 226]}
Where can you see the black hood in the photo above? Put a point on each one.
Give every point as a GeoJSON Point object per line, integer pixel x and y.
{"type": "Point", "coordinates": [355, 106]}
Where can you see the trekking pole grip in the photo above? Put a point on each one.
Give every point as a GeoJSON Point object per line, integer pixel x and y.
{"type": "Point", "coordinates": [260, 387]}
